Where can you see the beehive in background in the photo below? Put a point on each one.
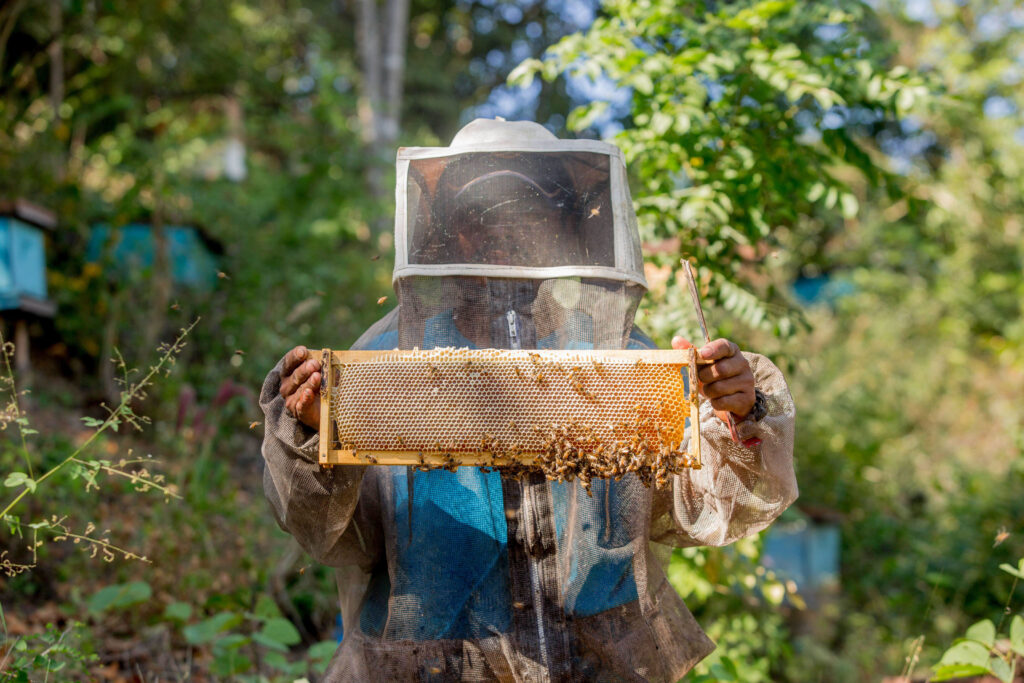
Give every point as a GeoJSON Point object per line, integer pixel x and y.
{"type": "Point", "coordinates": [23, 292]}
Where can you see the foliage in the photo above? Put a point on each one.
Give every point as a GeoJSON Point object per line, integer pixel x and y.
{"type": "Point", "coordinates": [63, 653]}
{"type": "Point", "coordinates": [56, 527]}
{"type": "Point", "coordinates": [738, 602]}
{"type": "Point", "coordinates": [767, 139]}
{"type": "Point", "coordinates": [980, 650]}
{"type": "Point", "coordinates": [745, 117]}
{"type": "Point", "coordinates": [241, 642]}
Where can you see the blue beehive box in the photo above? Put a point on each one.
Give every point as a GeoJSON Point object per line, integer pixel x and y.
{"type": "Point", "coordinates": [23, 258]}
{"type": "Point", "coordinates": [193, 256]}
{"type": "Point", "coordinates": [804, 551]}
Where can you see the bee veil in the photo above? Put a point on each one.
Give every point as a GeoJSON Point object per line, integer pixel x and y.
{"type": "Point", "coordinates": [512, 238]}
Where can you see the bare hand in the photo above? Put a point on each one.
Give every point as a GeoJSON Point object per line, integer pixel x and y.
{"type": "Point", "coordinates": [728, 382]}
{"type": "Point", "coordinates": [300, 386]}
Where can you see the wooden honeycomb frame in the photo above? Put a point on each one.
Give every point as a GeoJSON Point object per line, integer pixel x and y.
{"type": "Point", "coordinates": [332, 452]}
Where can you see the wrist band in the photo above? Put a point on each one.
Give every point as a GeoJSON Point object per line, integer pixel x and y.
{"type": "Point", "coordinates": [760, 408]}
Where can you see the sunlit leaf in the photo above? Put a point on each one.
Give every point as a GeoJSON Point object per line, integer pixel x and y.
{"type": "Point", "coordinates": [119, 596]}
{"type": "Point", "coordinates": [966, 652]}
{"type": "Point", "coordinates": [207, 630]}
{"type": "Point", "coordinates": [984, 632]}
{"type": "Point", "coordinates": [1017, 634]}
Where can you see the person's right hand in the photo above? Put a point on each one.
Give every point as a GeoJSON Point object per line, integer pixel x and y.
{"type": "Point", "coordinates": [300, 386]}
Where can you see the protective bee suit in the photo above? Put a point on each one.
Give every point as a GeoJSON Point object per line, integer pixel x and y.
{"type": "Point", "coordinates": [510, 238]}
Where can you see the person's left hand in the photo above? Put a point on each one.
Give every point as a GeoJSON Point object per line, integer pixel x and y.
{"type": "Point", "coordinates": [728, 382]}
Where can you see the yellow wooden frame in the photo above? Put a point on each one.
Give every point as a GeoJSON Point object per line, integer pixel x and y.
{"type": "Point", "coordinates": [329, 456]}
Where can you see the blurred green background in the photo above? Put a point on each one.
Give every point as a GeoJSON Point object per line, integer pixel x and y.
{"type": "Point", "coordinates": [848, 177]}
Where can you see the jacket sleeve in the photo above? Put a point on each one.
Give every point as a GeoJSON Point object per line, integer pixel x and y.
{"type": "Point", "coordinates": [738, 491]}
{"type": "Point", "coordinates": [331, 512]}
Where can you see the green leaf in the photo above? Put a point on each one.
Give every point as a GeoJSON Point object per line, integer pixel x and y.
{"type": "Point", "coordinates": [849, 205]}
{"type": "Point", "coordinates": [523, 75]}
{"type": "Point", "coordinates": [815, 192]}
{"type": "Point", "coordinates": [231, 641]}
{"type": "Point", "coordinates": [967, 652]}
{"type": "Point", "coordinates": [1014, 571]}
{"type": "Point", "coordinates": [947, 671]}
{"type": "Point", "coordinates": [178, 611]}
{"type": "Point", "coordinates": [269, 643]}
{"type": "Point", "coordinates": [322, 652]}
{"type": "Point", "coordinates": [119, 596]}
{"type": "Point", "coordinates": [643, 83]}
{"type": "Point", "coordinates": [276, 660]}
{"type": "Point", "coordinates": [660, 122]}
{"type": "Point", "coordinates": [231, 663]}
{"type": "Point", "coordinates": [1017, 634]}
{"type": "Point", "coordinates": [726, 670]}
{"type": "Point", "coordinates": [769, 8]}
{"type": "Point", "coordinates": [984, 632]}
{"type": "Point", "coordinates": [208, 629]}
{"type": "Point", "coordinates": [583, 117]}
{"type": "Point", "coordinates": [20, 479]}
{"type": "Point", "coordinates": [92, 422]}
{"type": "Point", "coordinates": [280, 631]}
{"type": "Point", "coordinates": [904, 99]}
{"type": "Point", "coordinates": [1001, 669]}
{"type": "Point", "coordinates": [266, 608]}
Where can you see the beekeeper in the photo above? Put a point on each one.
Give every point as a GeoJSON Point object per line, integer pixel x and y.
{"type": "Point", "coordinates": [512, 238]}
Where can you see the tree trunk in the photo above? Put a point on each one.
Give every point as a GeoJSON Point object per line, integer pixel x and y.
{"type": "Point", "coordinates": [22, 352]}
{"type": "Point", "coordinates": [394, 68]}
{"type": "Point", "coordinates": [382, 55]}
{"type": "Point", "coordinates": [8, 17]}
{"type": "Point", "coordinates": [56, 53]}
{"type": "Point", "coordinates": [161, 274]}
{"type": "Point", "coordinates": [108, 370]}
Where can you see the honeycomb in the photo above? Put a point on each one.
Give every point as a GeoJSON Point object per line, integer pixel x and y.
{"type": "Point", "coordinates": [617, 410]}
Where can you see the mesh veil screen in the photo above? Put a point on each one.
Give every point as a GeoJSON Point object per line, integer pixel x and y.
{"type": "Point", "coordinates": [531, 209]}
{"type": "Point", "coordinates": [554, 313]}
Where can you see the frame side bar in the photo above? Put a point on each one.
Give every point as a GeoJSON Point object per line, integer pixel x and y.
{"type": "Point", "coordinates": [694, 410]}
{"type": "Point", "coordinates": [326, 384]}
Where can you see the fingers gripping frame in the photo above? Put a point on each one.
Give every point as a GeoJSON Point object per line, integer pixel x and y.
{"type": "Point", "coordinates": [488, 407]}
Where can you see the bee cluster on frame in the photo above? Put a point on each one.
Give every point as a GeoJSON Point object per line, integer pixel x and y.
{"type": "Point", "coordinates": [571, 415]}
